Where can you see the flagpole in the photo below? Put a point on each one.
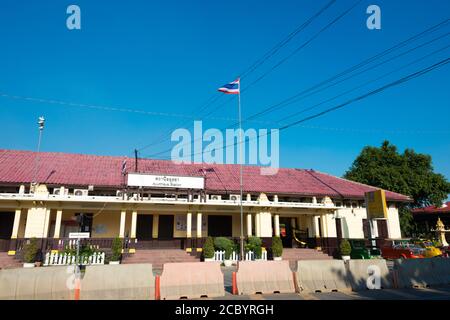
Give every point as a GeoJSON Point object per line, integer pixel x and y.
{"type": "Point", "coordinates": [240, 171]}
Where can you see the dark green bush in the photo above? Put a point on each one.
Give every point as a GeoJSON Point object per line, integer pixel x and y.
{"type": "Point", "coordinates": [258, 252]}
{"type": "Point", "coordinates": [208, 248]}
{"type": "Point", "coordinates": [254, 244]}
{"type": "Point", "coordinates": [345, 248]}
{"type": "Point", "coordinates": [30, 251]}
{"type": "Point", "coordinates": [116, 249]}
{"type": "Point", "coordinates": [229, 250]}
{"type": "Point", "coordinates": [277, 247]}
{"type": "Point", "coordinates": [222, 243]}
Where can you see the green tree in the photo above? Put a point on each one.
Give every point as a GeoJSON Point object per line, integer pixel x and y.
{"type": "Point", "coordinates": [409, 173]}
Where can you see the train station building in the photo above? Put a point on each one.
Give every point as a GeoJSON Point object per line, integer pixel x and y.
{"type": "Point", "coordinates": [160, 204]}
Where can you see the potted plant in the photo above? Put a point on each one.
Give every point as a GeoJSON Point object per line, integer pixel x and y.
{"type": "Point", "coordinates": [208, 250]}
{"type": "Point", "coordinates": [30, 250]}
{"type": "Point", "coordinates": [277, 248]}
{"type": "Point", "coordinates": [116, 249]}
{"type": "Point", "coordinates": [345, 249]}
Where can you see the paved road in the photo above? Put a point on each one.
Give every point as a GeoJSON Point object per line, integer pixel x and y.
{"type": "Point", "coordinates": [441, 293]}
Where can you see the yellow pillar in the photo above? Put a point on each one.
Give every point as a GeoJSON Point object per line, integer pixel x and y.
{"type": "Point", "coordinates": [189, 225]}
{"type": "Point", "coordinates": [46, 223]}
{"type": "Point", "coordinates": [123, 216]}
{"type": "Point", "coordinates": [199, 225]}
{"type": "Point", "coordinates": [258, 225]}
{"type": "Point", "coordinates": [277, 225]}
{"type": "Point", "coordinates": [155, 226]}
{"type": "Point", "coordinates": [249, 224]}
{"type": "Point", "coordinates": [133, 224]}
{"type": "Point", "coordinates": [16, 224]}
{"type": "Point", "coordinates": [57, 232]}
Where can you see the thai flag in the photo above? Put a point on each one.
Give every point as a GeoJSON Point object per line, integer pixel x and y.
{"type": "Point", "coordinates": [231, 88]}
{"type": "Point", "coordinates": [124, 167]}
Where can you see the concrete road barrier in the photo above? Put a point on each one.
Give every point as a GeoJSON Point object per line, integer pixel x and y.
{"type": "Point", "coordinates": [322, 276]}
{"type": "Point", "coordinates": [441, 268]}
{"type": "Point", "coordinates": [264, 277]}
{"type": "Point", "coordinates": [191, 280]}
{"type": "Point", "coordinates": [416, 273]}
{"type": "Point", "coordinates": [369, 274]}
{"type": "Point", "coordinates": [118, 282]}
{"type": "Point", "coordinates": [50, 283]}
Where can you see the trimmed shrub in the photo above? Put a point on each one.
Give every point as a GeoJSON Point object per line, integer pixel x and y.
{"type": "Point", "coordinates": [208, 248]}
{"type": "Point", "coordinates": [116, 249]}
{"type": "Point", "coordinates": [277, 247]}
{"type": "Point", "coordinates": [258, 252]}
{"type": "Point", "coordinates": [222, 243]}
{"type": "Point", "coordinates": [30, 251]}
{"type": "Point", "coordinates": [229, 250]}
{"type": "Point", "coordinates": [254, 244]}
{"type": "Point", "coordinates": [345, 248]}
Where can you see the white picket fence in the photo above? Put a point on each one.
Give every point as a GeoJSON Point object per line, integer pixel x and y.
{"type": "Point", "coordinates": [64, 259]}
{"type": "Point", "coordinates": [220, 256]}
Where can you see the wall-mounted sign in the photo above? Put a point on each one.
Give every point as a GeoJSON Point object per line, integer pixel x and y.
{"type": "Point", "coordinates": [161, 181]}
{"type": "Point", "coordinates": [376, 204]}
{"type": "Point", "coordinates": [79, 235]}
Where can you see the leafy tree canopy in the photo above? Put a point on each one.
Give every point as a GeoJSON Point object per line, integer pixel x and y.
{"type": "Point", "coordinates": [409, 173]}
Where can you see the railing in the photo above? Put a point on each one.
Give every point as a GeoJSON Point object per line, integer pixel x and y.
{"type": "Point", "coordinates": [62, 243]}
{"type": "Point", "coordinates": [249, 256]}
{"type": "Point", "coordinates": [64, 259]}
{"type": "Point", "coordinates": [4, 245]}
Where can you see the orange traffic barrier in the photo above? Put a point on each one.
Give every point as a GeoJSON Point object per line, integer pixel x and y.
{"type": "Point", "coordinates": [157, 288]}
{"type": "Point", "coordinates": [234, 284]}
{"type": "Point", "coordinates": [77, 288]}
{"type": "Point", "coordinates": [294, 276]}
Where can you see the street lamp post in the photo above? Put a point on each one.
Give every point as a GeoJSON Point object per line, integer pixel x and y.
{"type": "Point", "coordinates": [41, 122]}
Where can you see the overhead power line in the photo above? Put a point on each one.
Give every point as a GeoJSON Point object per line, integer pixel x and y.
{"type": "Point", "coordinates": [269, 54]}
{"type": "Point", "coordinates": [350, 101]}
{"type": "Point", "coordinates": [349, 71]}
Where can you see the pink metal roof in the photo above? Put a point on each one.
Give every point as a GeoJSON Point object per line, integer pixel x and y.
{"type": "Point", "coordinates": [66, 169]}
{"type": "Point", "coordinates": [433, 209]}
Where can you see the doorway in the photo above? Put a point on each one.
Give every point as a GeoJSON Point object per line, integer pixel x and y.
{"type": "Point", "coordinates": [6, 224]}
{"type": "Point", "coordinates": [220, 226]}
{"type": "Point", "coordinates": [286, 232]}
{"type": "Point", "coordinates": [165, 227]}
{"type": "Point", "coordinates": [144, 227]}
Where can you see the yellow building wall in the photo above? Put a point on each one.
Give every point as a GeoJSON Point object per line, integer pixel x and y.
{"type": "Point", "coordinates": [106, 225]}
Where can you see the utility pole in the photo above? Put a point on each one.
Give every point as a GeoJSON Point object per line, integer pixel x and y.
{"type": "Point", "coordinates": [135, 160]}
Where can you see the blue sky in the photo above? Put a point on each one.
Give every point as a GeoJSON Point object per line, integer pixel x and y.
{"type": "Point", "coordinates": [171, 56]}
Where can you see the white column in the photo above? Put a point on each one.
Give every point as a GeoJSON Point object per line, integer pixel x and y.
{"type": "Point", "coordinates": [199, 225]}
{"type": "Point", "coordinates": [265, 221]}
{"type": "Point", "coordinates": [189, 225]}
{"type": "Point", "coordinates": [249, 224]}
{"type": "Point", "coordinates": [258, 225]}
{"type": "Point", "coordinates": [277, 225]}
{"type": "Point", "coordinates": [16, 224]}
{"type": "Point", "coordinates": [57, 232]}
{"type": "Point", "coordinates": [133, 224]}
{"type": "Point", "coordinates": [123, 215]}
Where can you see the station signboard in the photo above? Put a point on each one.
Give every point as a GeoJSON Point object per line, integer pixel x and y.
{"type": "Point", "coordinates": [376, 204]}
